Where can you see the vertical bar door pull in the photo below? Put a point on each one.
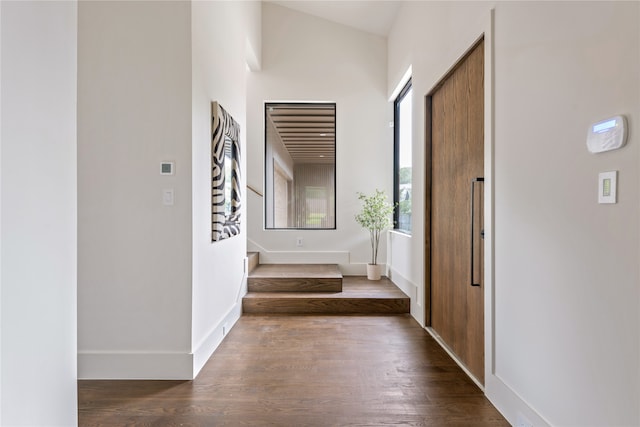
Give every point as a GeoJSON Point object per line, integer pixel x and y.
{"type": "Point", "coordinates": [473, 185]}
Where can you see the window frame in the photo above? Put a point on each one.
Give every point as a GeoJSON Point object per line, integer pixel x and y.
{"type": "Point", "coordinates": [396, 155]}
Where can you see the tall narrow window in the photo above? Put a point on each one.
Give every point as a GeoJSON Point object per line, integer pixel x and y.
{"type": "Point", "coordinates": [402, 159]}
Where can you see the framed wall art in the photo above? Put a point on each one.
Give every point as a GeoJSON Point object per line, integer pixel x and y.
{"type": "Point", "coordinates": [225, 174]}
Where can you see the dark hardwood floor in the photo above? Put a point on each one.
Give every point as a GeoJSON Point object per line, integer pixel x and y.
{"type": "Point", "coordinates": [276, 370]}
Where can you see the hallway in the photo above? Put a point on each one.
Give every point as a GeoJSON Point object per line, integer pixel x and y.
{"type": "Point", "coordinates": [304, 371]}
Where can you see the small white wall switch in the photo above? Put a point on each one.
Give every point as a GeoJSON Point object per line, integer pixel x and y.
{"type": "Point", "coordinates": [167, 168]}
{"type": "Point", "coordinates": [167, 197]}
{"type": "Point", "coordinates": [299, 241]}
{"type": "Point", "coordinates": [607, 187]}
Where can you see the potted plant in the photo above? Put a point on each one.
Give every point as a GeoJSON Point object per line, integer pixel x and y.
{"type": "Point", "coordinates": [375, 216]}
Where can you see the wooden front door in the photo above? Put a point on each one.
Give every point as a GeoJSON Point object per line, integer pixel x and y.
{"type": "Point", "coordinates": [455, 112]}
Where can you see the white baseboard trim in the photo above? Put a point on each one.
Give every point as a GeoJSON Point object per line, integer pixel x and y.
{"type": "Point", "coordinates": [304, 257]}
{"type": "Point", "coordinates": [405, 285]}
{"type": "Point", "coordinates": [411, 290]}
{"type": "Point", "coordinates": [156, 365]}
{"type": "Point", "coordinates": [135, 366]}
{"type": "Point", "coordinates": [358, 269]}
{"type": "Point", "coordinates": [511, 405]}
{"type": "Point", "coordinates": [298, 257]}
{"type": "Point", "coordinates": [214, 338]}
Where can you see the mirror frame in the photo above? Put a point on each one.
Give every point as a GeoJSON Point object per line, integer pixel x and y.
{"type": "Point", "coordinates": [223, 126]}
{"type": "Point", "coordinates": [308, 130]}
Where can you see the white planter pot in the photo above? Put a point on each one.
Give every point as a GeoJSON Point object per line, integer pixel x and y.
{"type": "Point", "coordinates": [374, 271]}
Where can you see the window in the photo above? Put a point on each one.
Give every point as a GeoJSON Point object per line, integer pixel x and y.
{"type": "Point", "coordinates": [402, 159]}
{"type": "Point", "coordinates": [300, 166]}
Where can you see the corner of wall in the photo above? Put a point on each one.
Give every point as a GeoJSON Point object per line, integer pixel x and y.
{"type": "Point", "coordinates": [135, 366]}
{"type": "Point", "coordinates": [208, 345]}
{"type": "Point", "coordinates": [411, 290]}
{"type": "Point", "coordinates": [218, 281]}
{"type": "Point", "coordinates": [1, 85]}
{"type": "Point", "coordinates": [38, 254]}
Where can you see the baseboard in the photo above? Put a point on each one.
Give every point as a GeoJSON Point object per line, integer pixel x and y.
{"type": "Point", "coordinates": [512, 406]}
{"type": "Point", "coordinates": [214, 338]}
{"type": "Point", "coordinates": [156, 365]}
{"type": "Point", "coordinates": [405, 285]}
{"type": "Point", "coordinates": [358, 269]}
{"type": "Point", "coordinates": [135, 366]}
{"type": "Point", "coordinates": [304, 257]}
{"type": "Point", "coordinates": [298, 257]}
{"type": "Point", "coordinates": [411, 290]}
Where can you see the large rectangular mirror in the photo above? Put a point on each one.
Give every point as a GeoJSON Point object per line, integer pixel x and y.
{"type": "Point", "coordinates": [300, 165]}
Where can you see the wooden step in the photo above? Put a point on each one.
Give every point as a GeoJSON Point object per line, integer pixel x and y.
{"type": "Point", "coordinates": [359, 296]}
{"type": "Point", "coordinates": [295, 278]}
{"type": "Point", "coordinates": [253, 261]}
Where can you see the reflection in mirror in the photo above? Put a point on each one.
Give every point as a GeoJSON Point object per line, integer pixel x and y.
{"type": "Point", "coordinates": [228, 159]}
{"type": "Point", "coordinates": [300, 172]}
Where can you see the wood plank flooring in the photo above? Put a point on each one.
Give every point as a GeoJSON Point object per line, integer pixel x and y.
{"type": "Point", "coordinates": [304, 371]}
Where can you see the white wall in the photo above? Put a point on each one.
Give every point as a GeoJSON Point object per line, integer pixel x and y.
{"type": "Point", "coordinates": [405, 267]}
{"type": "Point", "coordinates": [219, 74]}
{"type": "Point", "coordinates": [38, 213]}
{"type": "Point", "coordinates": [564, 333]}
{"type": "Point", "coordinates": [135, 254]}
{"type": "Point", "coordinates": [579, 265]}
{"type": "Point", "coordinates": [155, 292]}
{"type": "Point", "coordinates": [1, 213]}
{"type": "Point", "coordinates": [429, 37]}
{"type": "Point", "coordinates": [305, 58]}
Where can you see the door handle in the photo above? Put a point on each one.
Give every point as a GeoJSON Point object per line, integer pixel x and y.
{"type": "Point", "coordinates": [473, 185]}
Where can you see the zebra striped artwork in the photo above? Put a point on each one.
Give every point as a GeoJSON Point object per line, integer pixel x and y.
{"type": "Point", "coordinates": [225, 174]}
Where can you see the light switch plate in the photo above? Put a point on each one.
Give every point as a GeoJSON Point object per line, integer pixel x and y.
{"type": "Point", "coordinates": [607, 187]}
{"type": "Point", "coordinates": [167, 197]}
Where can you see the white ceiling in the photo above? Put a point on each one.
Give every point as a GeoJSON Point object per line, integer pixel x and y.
{"type": "Point", "coordinates": [371, 16]}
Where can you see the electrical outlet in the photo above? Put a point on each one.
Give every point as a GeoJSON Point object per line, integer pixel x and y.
{"type": "Point", "coordinates": [521, 421]}
{"type": "Point", "coordinates": [299, 241]}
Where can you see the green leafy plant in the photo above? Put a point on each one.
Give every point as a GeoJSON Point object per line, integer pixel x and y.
{"type": "Point", "coordinates": [375, 216]}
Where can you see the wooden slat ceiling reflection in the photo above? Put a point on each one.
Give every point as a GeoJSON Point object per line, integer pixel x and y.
{"type": "Point", "coordinates": [308, 131]}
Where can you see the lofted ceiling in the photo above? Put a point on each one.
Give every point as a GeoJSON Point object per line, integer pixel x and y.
{"type": "Point", "coordinates": [374, 17]}
{"type": "Point", "coordinates": [307, 130]}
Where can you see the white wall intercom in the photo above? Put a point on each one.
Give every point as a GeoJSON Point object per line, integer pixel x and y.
{"type": "Point", "coordinates": [609, 134]}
